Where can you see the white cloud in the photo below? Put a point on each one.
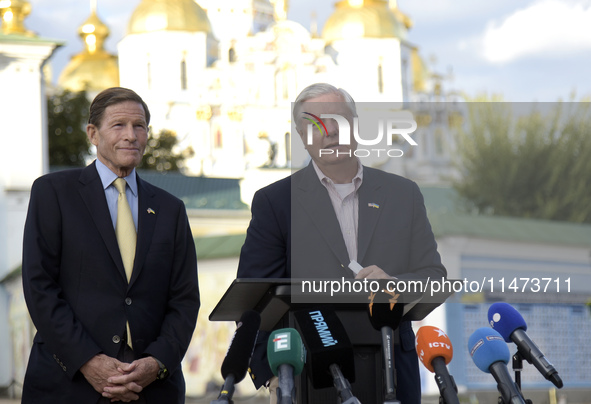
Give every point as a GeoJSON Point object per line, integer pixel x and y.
{"type": "Point", "coordinates": [548, 28]}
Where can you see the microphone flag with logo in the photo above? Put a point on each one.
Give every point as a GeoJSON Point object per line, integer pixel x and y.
{"type": "Point", "coordinates": [327, 343]}
{"type": "Point", "coordinates": [435, 352]}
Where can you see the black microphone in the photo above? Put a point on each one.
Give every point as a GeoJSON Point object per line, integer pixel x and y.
{"type": "Point", "coordinates": [386, 317]}
{"type": "Point", "coordinates": [491, 354]}
{"type": "Point", "coordinates": [510, 324]}
{"type": "Point", "coordinates": [237, 358]}
{"type": "Point", "coordinates": [330, 353]}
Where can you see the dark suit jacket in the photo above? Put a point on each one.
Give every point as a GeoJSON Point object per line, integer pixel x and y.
{"type": "Point", "coordinates": [294, 232]}
{"type": "Point", "coordinates": [79, 298]}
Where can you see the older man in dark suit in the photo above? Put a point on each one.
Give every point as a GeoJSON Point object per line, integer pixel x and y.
{"type": "Point", "coordinates": [314, 223]}
{"type": "Point", "coordinates": [109, 273]}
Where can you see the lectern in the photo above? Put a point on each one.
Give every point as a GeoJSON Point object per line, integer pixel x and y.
{"type": "Point", "coordinates": [277, 299]}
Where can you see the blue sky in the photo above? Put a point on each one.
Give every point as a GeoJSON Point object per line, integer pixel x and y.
{"type": "Point", "coordinates": [530, 50]}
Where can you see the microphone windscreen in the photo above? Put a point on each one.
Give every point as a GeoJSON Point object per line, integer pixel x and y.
{"type": "Point", "coordinates": [432, 342]}
{"type": "Point", "coordinates": [285, 347]}
{"type": "Point", "coordinates": [238, 355]}
{"type": "Point", "coordinates": [384, 314]}
{"type": "Point", "coordinates": [505, 319]}
{"type": "Point", "coordinates": [326, 343]}
{"type": "Point", "coordinates": [487, 346]}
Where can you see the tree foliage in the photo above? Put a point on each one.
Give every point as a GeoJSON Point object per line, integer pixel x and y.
{"type": "Point", "coordinates": [67, 115]}
{"type": "Point", "coordinates": [162, 154]}
{"type": "Point", "coordinates": [527, 160]}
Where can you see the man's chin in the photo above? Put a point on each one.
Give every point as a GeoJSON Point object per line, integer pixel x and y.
{"type": "Point", "coordinates": [332, 158]}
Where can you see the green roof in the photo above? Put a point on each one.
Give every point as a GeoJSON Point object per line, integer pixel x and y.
{"type": "Point", "coordinates": [444, 209]}
{"type": "Point", "coordinates": [198, 192]}
{"type": "Point", "coordinates": [195, 192]}
{"type": "Point", "coordinates": [441, 199]}
{"type": "Point", "coordinates": [219, 246]}
{"type": "Point", "coordinates": [25, 39]}
{"type": "Point", "coordinates": [511, 229]}
{"type": "Point", "coordinates": [15, 273]}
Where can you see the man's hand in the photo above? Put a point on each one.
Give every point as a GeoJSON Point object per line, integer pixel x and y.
{"type": "Point", "coordinates": [99, 369]}
{"type": "Point", "coordinates": [132, 378]}
{"type": "Point", "coordinates": [373, 272]}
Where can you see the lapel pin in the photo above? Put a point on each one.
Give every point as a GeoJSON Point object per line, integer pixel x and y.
{"type": "Point", "coordinates": [373, 205]}
{"type": "Point", "coordinates": [150, 210]}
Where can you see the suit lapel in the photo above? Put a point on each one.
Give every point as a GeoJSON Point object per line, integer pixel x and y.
{"type": "Point", "coordinates": [147, 213]}
{"type": "Point", "coordinates": [371, 204]}
{"type": "Point", "coordinates": [93, 194]}
{"type": "Point", "coordinates": [315, 202]}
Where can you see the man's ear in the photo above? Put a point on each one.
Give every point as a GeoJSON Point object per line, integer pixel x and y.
{"type": "Point", "coordinates": [300, 132]}
{"type": "Point", "coordinates": [92, 133]}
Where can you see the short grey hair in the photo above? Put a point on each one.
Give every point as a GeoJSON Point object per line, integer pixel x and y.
{"type": "Point", "coordinates": [316, 90]}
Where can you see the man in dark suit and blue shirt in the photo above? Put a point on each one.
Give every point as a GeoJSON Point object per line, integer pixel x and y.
{"type": "Point", "coordinates": [334, 211]}
{"type": "Point", "coordinates": [109, 273]}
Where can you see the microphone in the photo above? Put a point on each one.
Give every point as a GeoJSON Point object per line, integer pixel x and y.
{"type": "Point", "coordinates": [386, 317]}
{"type": "Point", "coordinates": [435, 352]}
{"type": "Point", "coordinates": [491, 355]}
{"type": "Point", "coordinates": [330, 353]}
{"type": "Point", "coordinates": [286, 355]}
{"type": "Point", "coordinates": [237, 358]}
{"type": "Point", "coordinates": [510, 324]}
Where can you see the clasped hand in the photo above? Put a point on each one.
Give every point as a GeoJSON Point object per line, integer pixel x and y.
{"type": "Point", "coordinates": [373, 272]}
{"type": "Point", "coordinates": [118, 380]}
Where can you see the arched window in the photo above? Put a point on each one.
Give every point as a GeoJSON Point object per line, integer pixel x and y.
{"type": "Point", "coordinates": [287, 147]}
{"type": "Point", "coordinates": [380, 78]}
{"type": "Point", "coordinates": [183, 74]}
{"type": "Point", "coordinates": [149, 67]}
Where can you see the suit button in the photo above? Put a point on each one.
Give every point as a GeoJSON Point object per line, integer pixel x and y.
{"type": "Point", "coordinates": [128, 301]}
{"type": "Point", "coordinates": [116, 339]}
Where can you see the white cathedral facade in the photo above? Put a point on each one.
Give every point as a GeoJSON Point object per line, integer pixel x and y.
{"type": "Point", "coordinates": [222, 75]}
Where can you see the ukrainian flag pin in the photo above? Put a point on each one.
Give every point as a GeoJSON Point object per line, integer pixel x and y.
{"type": "Point", "coordinates": [150, 210]}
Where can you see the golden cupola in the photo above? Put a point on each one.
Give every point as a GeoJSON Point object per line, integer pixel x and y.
{"type": "Point", "coordinates": [93, 69]}
{"type": "Point", "coordinates": [169, 15]}
{"type": "Point", "coordinates": [12, 15]}
{"type": "Point", "coordinates": [353, 19]}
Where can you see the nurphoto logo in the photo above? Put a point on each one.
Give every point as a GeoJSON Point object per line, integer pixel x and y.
{"type": "Point", "coordinates": [400, 126]}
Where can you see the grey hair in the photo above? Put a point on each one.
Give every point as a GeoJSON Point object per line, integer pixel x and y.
{"type": "Point", "coordinates": [317, 90]}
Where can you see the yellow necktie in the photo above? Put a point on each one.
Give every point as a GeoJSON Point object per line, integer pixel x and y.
{"type": "Point", "coordinates": [126, 234]}
{"type": "Point", "coordinates": [125, 228]}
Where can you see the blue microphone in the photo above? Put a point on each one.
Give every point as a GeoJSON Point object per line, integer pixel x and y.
{"type": "Point", "coordinates": [491, 355]}
{"type": "Point", "coordinates": [510, 324]}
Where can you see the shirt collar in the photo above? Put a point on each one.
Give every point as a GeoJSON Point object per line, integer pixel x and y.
{"type": "Point", "coordinates": [107, 177]}
{"type": "Point", "coordinates": [357, 180]}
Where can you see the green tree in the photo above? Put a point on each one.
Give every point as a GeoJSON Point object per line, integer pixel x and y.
{"type": "Point", "coordinates": [534, 163]}
{"type": "Point", "coordinates": [162, 154]}
{"type": "Point", "coordinates": [67, 115]}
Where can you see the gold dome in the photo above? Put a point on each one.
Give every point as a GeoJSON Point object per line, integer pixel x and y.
{"type": "Point", "coordinates": [13, 14]}
{"type": "Point", "coordinates": [420, 72]}
{"type": "Point", "coordinates": [172, 15]}
{"type": "Point", "coordinates": [93, 69]}
{"type": "Point", "coordinates": [364, 19]}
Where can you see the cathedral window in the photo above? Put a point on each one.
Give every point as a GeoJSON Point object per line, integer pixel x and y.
{"type": "Point", "coordinates": [149, 67]}
{"type": "Point", "coordinates": [287, 146]}
{"type": "Point", "coordinates": [380, 79]}
{"type": "Point", "coordinates": [183, 74]}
